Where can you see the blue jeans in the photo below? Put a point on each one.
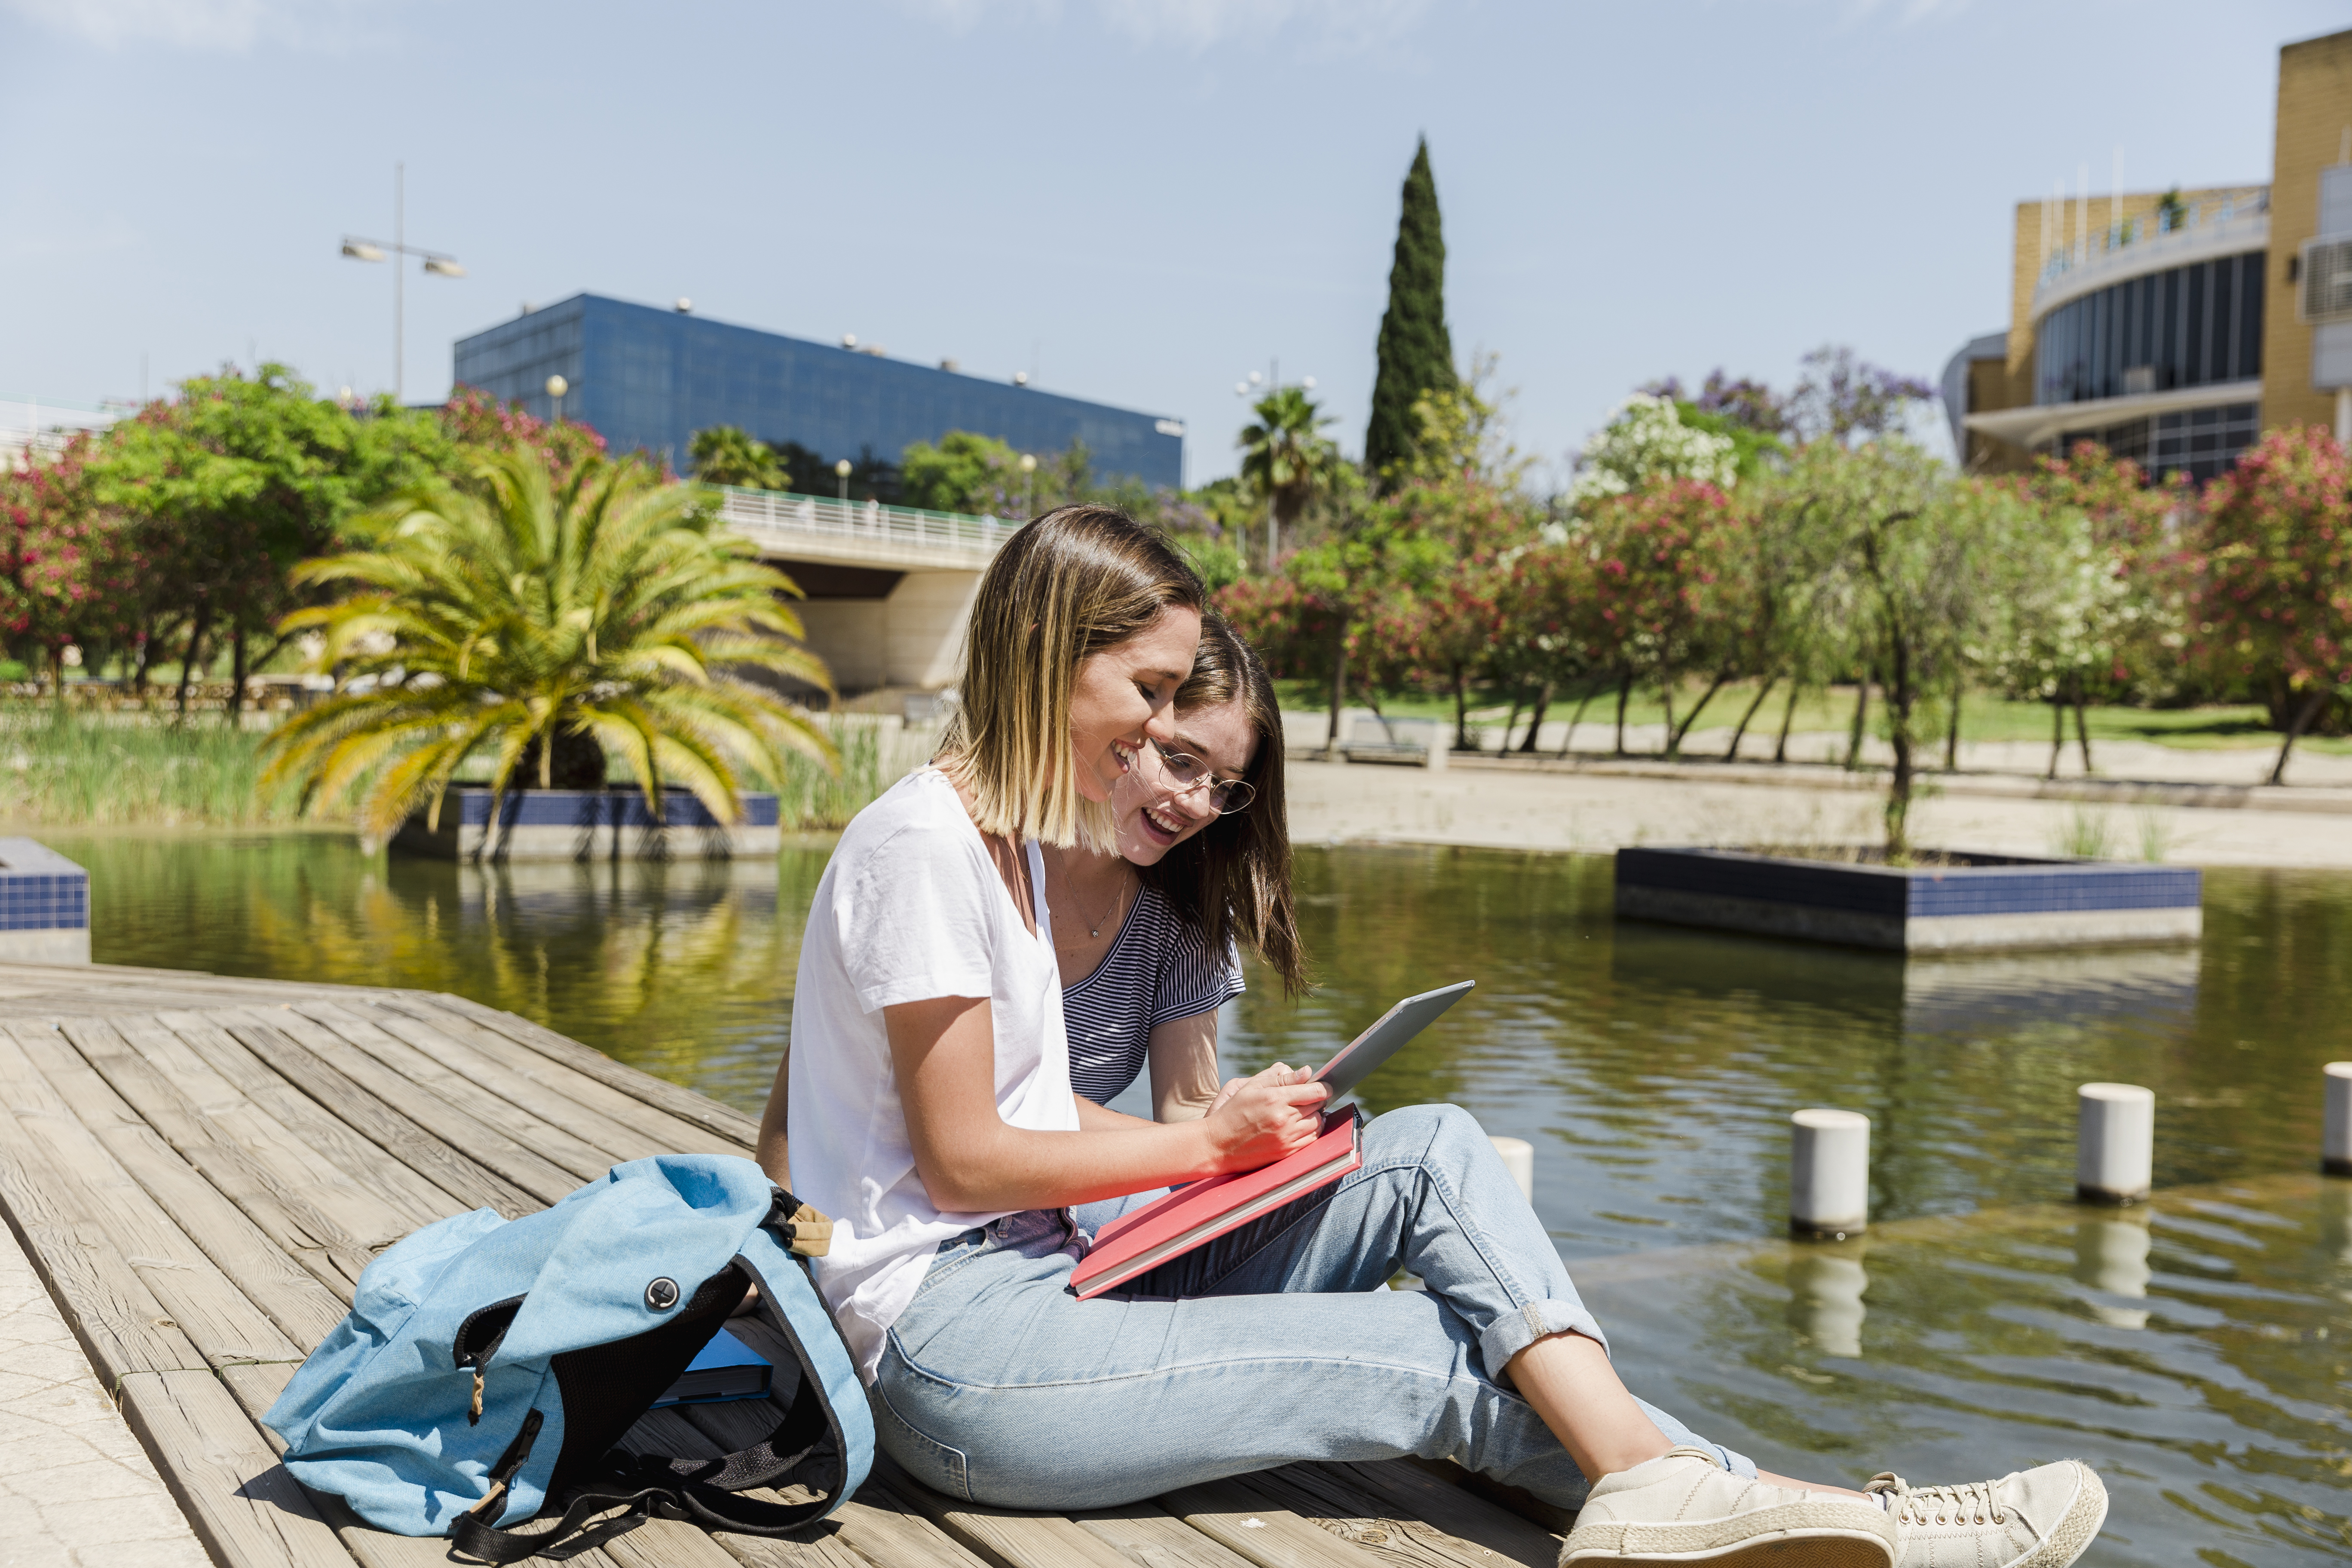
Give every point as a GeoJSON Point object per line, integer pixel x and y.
{"type": "Point", "coordinates": [999, 1386]}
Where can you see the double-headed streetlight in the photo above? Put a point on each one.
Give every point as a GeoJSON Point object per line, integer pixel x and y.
{"type": "Point", "coordinates": [439, 265]}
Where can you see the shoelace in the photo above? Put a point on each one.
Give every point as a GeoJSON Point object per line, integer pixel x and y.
{"type": "Point", "coordinates": [1938, 1505]}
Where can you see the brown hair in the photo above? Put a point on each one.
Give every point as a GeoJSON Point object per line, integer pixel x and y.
{"type": "Point", "coordinates": [1231, 882]}
{"type": "Point", "coordinates": [1079, 580]}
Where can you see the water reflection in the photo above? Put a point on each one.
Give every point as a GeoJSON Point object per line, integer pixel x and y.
{"type": "Point", "coordinates": [2111, 1257]}
{"type": "Point", "coordinates": [1826, 1281]}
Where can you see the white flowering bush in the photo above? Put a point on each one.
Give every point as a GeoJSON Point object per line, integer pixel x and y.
{"type": "Point", "coordinates": [1646, 442]}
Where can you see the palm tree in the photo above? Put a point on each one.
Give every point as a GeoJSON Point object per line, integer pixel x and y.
{"type": "Point", "coordinates": [724, 455]}
{"type": "Point", "coordinates": [522, 620]}
{"type": "Point", "coordinates": [1286, 457]}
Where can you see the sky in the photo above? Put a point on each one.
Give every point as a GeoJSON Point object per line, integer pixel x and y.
{"type": "Point", "coordinates": [1139, 200]}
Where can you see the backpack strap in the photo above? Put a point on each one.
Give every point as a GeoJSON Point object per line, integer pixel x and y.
{"type": "Point", "coordinates": [807, 1446]}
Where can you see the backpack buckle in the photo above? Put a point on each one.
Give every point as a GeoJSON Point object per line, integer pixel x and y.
{"type": "Point", "coordinates": [799, 1226]}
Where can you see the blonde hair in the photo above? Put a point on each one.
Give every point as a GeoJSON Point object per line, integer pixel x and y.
{"type": "Point", "coordinates": [1079, 580]}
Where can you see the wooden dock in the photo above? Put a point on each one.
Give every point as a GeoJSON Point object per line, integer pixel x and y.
{"type": "Point", "coordinates": [199, 1167]}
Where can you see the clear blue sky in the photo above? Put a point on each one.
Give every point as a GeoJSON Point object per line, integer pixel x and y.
{"type": "Point", "coordinates": [1144, 198]}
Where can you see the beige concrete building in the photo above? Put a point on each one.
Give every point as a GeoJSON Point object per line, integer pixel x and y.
{"type": "Point", "coordinates": [2175, 327]}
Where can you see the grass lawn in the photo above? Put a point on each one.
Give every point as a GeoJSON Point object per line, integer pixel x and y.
{"type": "Point", "coordinates": [1983, 717]}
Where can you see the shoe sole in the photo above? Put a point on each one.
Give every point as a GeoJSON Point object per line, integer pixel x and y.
{"type": "Point", "coordinates": [1811, 1534]}
{"type": "Point", "coordinates": [2074, 1532]}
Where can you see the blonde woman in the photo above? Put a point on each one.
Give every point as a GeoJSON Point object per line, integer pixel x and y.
{"type": "Point", "coordinates": [930, 1114]}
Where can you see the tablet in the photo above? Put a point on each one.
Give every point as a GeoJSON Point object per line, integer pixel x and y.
{"type": "Point", "coordinates": [1359, 1058]}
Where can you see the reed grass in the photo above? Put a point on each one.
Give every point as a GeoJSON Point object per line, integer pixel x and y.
{"type": "Point", "coordinates": [82, 770]}
{"type": "Point", "coordinates": [62, 769]}
{"type": "Point", "coordinates": [811, 798]}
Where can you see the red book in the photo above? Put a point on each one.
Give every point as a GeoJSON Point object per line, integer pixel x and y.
{"type": "Point", "coordinates": [1136, 1243]}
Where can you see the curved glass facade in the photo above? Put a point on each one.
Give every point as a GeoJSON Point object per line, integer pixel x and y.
{"type": "Point", "coordinates": [2186, 326]}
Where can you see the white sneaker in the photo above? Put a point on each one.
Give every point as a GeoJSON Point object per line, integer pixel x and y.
{"type": "Point", "coordinates": [2041, 1517]}
{"type": "Point", "coordinates": [1685, 1508]}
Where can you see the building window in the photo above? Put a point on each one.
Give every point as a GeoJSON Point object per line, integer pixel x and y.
{"type": "Point", "coordinates": [2198, 325]}
{"type": "Point", "coordinates": [2198, 442]}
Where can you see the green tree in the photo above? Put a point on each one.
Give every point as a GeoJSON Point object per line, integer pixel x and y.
{"type": "Point", "coordinates": [1416, 354]}
{"type": "Point", "coordinates": [525, 619]}
{"type": "Point", "coordinates": [970, 473]}
{"type": "Point", "coordinates": [1287, 459]}
{"type": "Point", "coordinates": [72, 572]}
{"type": "Point", "coordinates": [1922, 549]}
{"type": "Point", "coordinates": [727, 455]}
{"type": "Point", "coordinates": [2274, 603]}
{"type": "Point", "coordinates": [238, 479]}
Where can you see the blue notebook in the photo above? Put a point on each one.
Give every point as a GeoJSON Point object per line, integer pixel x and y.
{"type": "Point", "coordinates": [727, 1369]}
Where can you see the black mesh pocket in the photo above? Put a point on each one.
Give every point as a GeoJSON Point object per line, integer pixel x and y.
{"type": "Point", "coordinates": [605, 1388]}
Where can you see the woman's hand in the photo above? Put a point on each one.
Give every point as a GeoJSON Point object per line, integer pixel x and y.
{"type": "Point", "coordinates": [1259, 1120]}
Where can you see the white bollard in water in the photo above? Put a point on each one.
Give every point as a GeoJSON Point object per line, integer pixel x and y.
{"type": "Point", "coordinates": [2115, 1158]}
{"type": "Point", "coordinates": [2335, 1133]}
{"type": "Point", "coordinates": [1520, 1159]}
{"type": "Point", "coordinates": [1828, 1173]}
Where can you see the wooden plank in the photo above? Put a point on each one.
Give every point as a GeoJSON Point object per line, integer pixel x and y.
{"type": "Point", "coordinates": [545, 1182]}
{"type": "Point", "coordinates": [878, 1523]}
{"type": "Point", "coordinates": [484, 1101]}
{"type": "Point", "coordinates": [58, 1151]}
{"type": "Point", "coordinates": [1005, 1537]}
{"type": "Point", "coordinates": [1335, 1499]}
{"type": "Point", "coordinates": [1511, 1499]}
{"type": "Point", "coordinates": [318, 1124]}
{"type": "Point", "coordinates": [329, 1252]}
{"type": "Point", "coordinates": [244, 1506]}
{"type": "Point", "coordinates": [1418, 1494]}
{"type": "Point", "coordinates": [675, 1098]}
{"type": "Point", "coordinates": [1151, 1537]}
{"type": "Point", "coordinates": [291, 1297]}
{"type": "Point", "coordinates": [334, 1192]}
{"type": "Point", "coordinates": [122, 1327]}
{"type": "Point", "coordinates": [1268, 1535]}
{"type": "Point", "coordinates": [551, 1146]}
{"type": "Point", "coordinates": [615, 1141]}
{"type": "Point", "coordinates": [668, 1132]}
{"type": "Point", "coordinates": [466, 1183]}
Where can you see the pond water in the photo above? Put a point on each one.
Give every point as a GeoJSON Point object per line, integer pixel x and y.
{"type": "Point", "coordinates": [2196, 1350]}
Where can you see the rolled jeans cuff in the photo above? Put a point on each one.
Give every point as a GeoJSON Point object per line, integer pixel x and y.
{"type": "Point", "coordinates": [1512, 1333]}
{"type": "Point", "coordinates": [1682, 1437]}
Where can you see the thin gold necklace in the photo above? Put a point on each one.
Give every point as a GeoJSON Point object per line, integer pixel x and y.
{"type": "Point", "coordinates": [1118, 897]}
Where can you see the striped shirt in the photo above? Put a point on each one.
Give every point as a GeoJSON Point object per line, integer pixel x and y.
{"type": "Point", "coordinates": [1157, 969]}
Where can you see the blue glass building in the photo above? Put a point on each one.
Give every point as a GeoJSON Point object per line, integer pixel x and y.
{"type": "Point", "coordinates": [651, 378]}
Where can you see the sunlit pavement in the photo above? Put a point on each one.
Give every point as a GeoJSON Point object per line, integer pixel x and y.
{"type": "Point", "coordinates": [1334, 804]}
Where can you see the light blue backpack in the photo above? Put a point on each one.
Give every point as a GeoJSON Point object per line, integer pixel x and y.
{"type": "Point", "coordinates": [489, 1366]}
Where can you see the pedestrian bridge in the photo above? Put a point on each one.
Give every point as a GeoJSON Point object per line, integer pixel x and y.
{"type": "Point", "coordinates": [888, 588]}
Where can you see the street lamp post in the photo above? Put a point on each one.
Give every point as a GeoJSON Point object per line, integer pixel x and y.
{"type": "Point", "coordinates": [1029, 467]}
{"type": "Point", "coordinates": [556, 387]}
{"type": "Point", "coordinates": [437, 264]}
{"type": "Point", "coordinates": [841, 472]}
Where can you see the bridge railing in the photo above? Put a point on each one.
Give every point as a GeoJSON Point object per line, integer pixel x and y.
{"type": "Point", "coordinates": [780, 511]}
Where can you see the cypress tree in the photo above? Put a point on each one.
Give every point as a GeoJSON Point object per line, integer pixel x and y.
{"type": "Point", "coordinates": [1417, 355]}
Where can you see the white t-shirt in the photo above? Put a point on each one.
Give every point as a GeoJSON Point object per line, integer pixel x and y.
{"type": "Point", "coordinates": [909, 909]}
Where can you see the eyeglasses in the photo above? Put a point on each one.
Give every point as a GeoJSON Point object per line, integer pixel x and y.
{"type": "Point", "coordinates": [1228, 796]}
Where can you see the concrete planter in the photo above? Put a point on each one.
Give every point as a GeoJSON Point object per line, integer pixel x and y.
{"type": "Point", "coordinates": [1986, 901]}
{"type": "Point", "coordinates": [43, 905]}
{"type": "Point", "coordinates": [610, 824]}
